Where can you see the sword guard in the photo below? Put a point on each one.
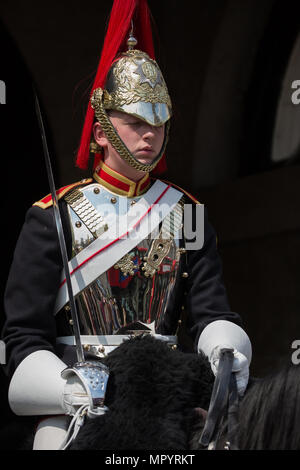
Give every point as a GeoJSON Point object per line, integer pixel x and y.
{"type": "Point", "coordinates": [94, 375]}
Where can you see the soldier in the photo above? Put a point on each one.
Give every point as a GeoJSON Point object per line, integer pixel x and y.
{"type": "Point", "coordinates": [130, 264]}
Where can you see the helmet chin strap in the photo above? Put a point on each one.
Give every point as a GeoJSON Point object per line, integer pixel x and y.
{"type": "Point", "coordinates": [117, 142]}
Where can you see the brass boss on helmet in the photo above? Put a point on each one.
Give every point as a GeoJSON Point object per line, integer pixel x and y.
{"type": "Point", "coordinates": [134, 85]}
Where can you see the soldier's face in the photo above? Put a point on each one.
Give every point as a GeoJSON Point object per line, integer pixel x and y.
{"type": "Point", "coordinates": [142, 140]}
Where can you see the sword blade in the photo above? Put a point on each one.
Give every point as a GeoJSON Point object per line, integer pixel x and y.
{"type": "Point", "coordinates": [62, 242]}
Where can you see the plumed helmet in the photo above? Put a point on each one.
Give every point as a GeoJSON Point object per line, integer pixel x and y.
{"type": "Point", "coordinates": [129, 81]}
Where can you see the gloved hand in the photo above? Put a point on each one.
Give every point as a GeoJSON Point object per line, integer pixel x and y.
{"type": "Point", "coordinates": [74, 395]}
{"type": "Point", "coordinates": [221, 334]}
{"type": "Point", "coordinates": [85, 386]}
{"type": "Point", "coordinates": [240, 366]}
{"type": "Point", "coordinates": [43, 385]}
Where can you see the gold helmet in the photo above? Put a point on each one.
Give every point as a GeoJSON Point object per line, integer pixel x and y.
{"type": "Point", "coordinates": [134, 85]}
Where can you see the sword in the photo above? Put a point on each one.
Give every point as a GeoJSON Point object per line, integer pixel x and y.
{"type": "Point", "coordinates": [62, 243]}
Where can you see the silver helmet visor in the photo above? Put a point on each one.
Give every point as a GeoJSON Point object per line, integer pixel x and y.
{"type": "Point", "coordinates": [155, 114]}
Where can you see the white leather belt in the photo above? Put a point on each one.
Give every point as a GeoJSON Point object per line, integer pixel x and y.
{"type": "Point", "coordinates": [109, 340]}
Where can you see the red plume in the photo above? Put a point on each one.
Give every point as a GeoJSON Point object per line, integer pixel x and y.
{"type": "Point", "coordinates": [119, 26]}
{"type": "Point", "coordinates": [161, 167]}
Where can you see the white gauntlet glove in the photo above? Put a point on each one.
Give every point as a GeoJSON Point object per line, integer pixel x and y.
{"type": "Point", "coordinates": [43, 385]}
{"type": "Point", "coordinates": [225, 334]}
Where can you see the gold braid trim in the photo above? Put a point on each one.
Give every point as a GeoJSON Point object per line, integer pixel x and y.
{"type": "Point", "coordinates": [116, 141]}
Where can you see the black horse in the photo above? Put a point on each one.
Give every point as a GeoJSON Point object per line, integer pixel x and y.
{"type": "Point", "coordinates": [157, 397]}
{"type": "Point", "coordinates": [157, 400]}
{"type": "Point", "coordinates": [269, 414]}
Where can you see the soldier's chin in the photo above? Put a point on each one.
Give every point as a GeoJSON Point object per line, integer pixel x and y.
{"type": "Point", "coordinates": [145, 161]}
{"type": "Point", "coordinates": [144, 158]}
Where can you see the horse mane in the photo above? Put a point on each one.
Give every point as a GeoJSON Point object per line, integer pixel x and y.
{"type": "Point", "coordinates": [269, 414]}
{"type": "Point", "coordinates": [154, 394]}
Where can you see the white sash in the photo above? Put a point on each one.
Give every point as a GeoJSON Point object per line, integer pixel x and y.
{"type": "Point", "coordinates": [141, 219]}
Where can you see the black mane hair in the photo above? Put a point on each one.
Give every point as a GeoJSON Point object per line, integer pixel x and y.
{"type": "Point", "coordinates": [269, 414]}
{"type": "Point", "coordinates": [154, 394]}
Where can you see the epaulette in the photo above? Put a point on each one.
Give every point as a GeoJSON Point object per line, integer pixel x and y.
{"type": "Point", "coordinates": [190, 196]}
{"type": "Point", "coordinates": [47, 200]}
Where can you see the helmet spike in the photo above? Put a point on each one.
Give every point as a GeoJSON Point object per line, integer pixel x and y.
{"type": "Point", "coordinates": [131, 41]}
